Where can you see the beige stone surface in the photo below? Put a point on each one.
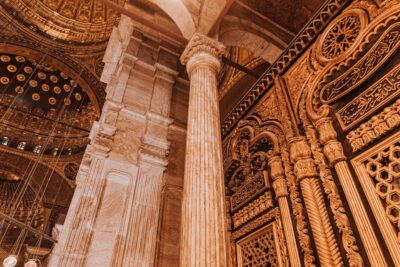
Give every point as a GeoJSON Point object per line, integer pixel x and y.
{"type": "Point", "coordinates": [203, 233]}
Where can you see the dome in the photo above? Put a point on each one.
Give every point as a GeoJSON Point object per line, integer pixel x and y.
{"type": "Point", "coordinates": [82, 21]}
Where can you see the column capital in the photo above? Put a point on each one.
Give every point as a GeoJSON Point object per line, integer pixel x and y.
{"type": "Point", "coordinates": [280, 188]}
{"type": "Point", "coordinates": [202, 50]}
{"type": "Point", "coordinates": [275, 165]}
{"type": "Point", "coordinates": [325, 130]}
{"type": "Point", "coordinates": [333, 149]}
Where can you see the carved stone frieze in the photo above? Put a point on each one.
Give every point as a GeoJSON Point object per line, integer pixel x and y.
{"type": "Point", "coordinates": [377, 126]}
{"type": "Point", "coordinates": [326, 13]}
{"type": "Point", "coordinates": [254, 224]}
{"type": "Point", "coordinates": [375, 48]}
{"type": "Point", "coordinates": [370, 100]}
{"type": "Point", "coordinates": [252, 209]}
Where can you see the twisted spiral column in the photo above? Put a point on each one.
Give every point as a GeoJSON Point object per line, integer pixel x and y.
{"type": "Point", "coordinates": [306, 173]}
{"type": "Point", "coordinates": [203, 241]}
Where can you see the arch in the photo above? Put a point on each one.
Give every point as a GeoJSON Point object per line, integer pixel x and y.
{"type": "Point", "coordinates": [179, 13]}
{"type": "Point", "coordinates": [209, 13]}
{"type": "Point", "coordinates": [243, 33]}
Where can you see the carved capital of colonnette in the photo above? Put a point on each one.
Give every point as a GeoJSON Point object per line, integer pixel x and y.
{"type": "Point", "coordinates": [202, 50]}
{"type": "Point", "coordinates": [333, 149]}
{"type": "Point", "coordinates": [326, 130]}
{"type": "Point", "coordinates": [300, 153]}
{"type": "Point", "coordinates": [275, 165]}
{"type": "Point", "coordinates": [280, 188]}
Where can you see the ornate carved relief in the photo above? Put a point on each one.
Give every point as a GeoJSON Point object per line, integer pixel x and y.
{"type": "Point", "coordinates": [340, 35]}
{"type": "Point", "coordinates": [298, 46]}
{"type": "Point", "coordinates": [377, 126]}
{"type": "Point", "coordinates": [251, 210]}
{"type": "Point", "coordinates": [378, 171]}
{"type": "Point", "coordinates": [254, 224]}
{"type": "Point", "coordinates": [336, 204]}
{"type": "Point", "coordinates": [376, 47]}
{"type": "Point", "coordinates": [384, 170]}
{"type": "Point", "coordinates": [247, 176]}
{"type": "Point", "coordinates": [370, 100]}
{"type": "Point", "coordinates": [259, 249]}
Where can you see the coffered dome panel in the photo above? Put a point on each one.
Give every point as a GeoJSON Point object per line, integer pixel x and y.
{"type": "Point", "coordinates": [83, 21]}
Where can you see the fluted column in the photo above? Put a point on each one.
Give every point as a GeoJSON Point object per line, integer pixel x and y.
{"type": "Point", "coordinates": [333, 150]}
{"type": "Point", "coordinates": [306, 173]}
{"type": "Point", "coordinates": [280, 187]}
{"type": "Point", "coordinates": [203, 241]}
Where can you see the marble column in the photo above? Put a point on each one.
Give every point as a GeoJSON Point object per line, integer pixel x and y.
{"type": "Point", "coordinates": [307, 177]}
{"type": "Point", "coordinates": [333, 150]}
{"type": "Point", "coordinates": [280, 188]}
{"type": "Point", "coordinates": [203, 233]}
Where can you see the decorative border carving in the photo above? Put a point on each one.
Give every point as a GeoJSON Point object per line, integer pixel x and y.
{"type": "Point", "coordinates": [370, 100]}
{"type": "Point", "coordinates": [251, 210]}
{"type": "Point", "coordinates": [247, 228]}
{"type": "Point", "coordinates": [376, 127]}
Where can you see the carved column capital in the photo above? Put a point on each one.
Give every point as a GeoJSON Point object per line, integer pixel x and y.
{"type": "Point", "coordinates": [299, 148]}
{"type": "Point", "coordinates": [202, 50]}
{"type": "Point", "coordinates": [300, 153]}
{"type": "Point", "coordinates": [333, 149]}
{"type": "Point", "coordinates": [325, 130]}
{"type": "Point", "coordinates": [280, 188]}
{"type": "Point", "coordinates": [275, 165]}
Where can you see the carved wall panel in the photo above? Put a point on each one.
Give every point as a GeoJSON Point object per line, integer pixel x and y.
{"type": "Point", "coordinates": [260, 249]}
{"type": "Point", "coordinates": [378, 170]}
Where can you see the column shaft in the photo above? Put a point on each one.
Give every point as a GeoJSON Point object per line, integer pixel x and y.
{"type": "Point", "coordinates": [289, 232]}
{"type": "Point", "coordinates": [203, 241]}
{"type": "Point", "coordinates": [335, 155]}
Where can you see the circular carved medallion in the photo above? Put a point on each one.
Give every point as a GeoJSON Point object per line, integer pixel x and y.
{"type": "Point", "coordinates": [71, 170]}
{"type": "Point", "coordinates": [341, 36]}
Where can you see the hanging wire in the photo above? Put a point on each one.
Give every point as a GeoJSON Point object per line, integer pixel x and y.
{"type": "Point", "coordinates": [45, 182]}
{"type": "Point", "coordinates": [49, 173]}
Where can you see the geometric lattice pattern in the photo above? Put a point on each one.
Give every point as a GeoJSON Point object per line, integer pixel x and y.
{"type": "Point", "coordinates": [384, 169]}
{"type": "Point", "coordinates": [259, 251]}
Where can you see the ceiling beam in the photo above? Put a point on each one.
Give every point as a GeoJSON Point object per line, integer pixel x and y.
{"type": "Point", "coordinates": [241, 68]}
{"type": "Point", "coordinates": [143, 21]}
{"type": "Point", "coordinates": [215, 27]}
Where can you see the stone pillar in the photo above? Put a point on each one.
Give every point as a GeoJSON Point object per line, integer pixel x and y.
{"type": "Point", "coordinates": [114, 215]}
{"type": "Point", "coordinates": [280, 187]}
{"type": "Point", "coordinates": [333, 150]}
{"type": "Point", "coordinates": [203, 233]}
{"type": "Point", "coordinates": [306, 173]}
